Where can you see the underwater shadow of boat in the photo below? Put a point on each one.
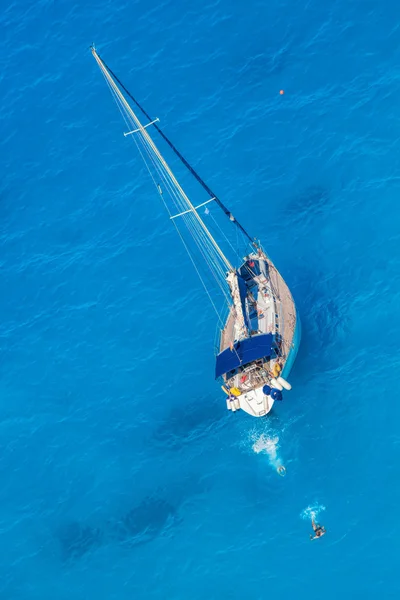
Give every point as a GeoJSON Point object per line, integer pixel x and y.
{"type": "Point", "coordinates": [76, 540]}
{"type": "Point", "coordinates": [148, 520]}
{"type": "Point", "coordinates": [190, 422]}
{"type": "Point", "coordinates": [324, 318]}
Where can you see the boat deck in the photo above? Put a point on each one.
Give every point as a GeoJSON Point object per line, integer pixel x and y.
{"type": "Point", "coordinates": [287, 314]}
{"type": "Point", "coordinates": [276, 313]}
{"type": "Point", "coordinates": [228, 333]}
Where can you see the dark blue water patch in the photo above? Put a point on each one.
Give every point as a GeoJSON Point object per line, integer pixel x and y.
{"type": "Point", "coordinates": [309, 203]}
{"type": "Point", "coordinates": [77, 539]}
{"type": "Point", "coordinates": [191, 421]}
{"type": "Point", "coordinates": [157, 514]}
{"type": "Point", "coordinates": [322, 306]}
{"type": "Point", "coordinates": [192, 485]}
{"type": "Point", "coordinates": [145, 521]}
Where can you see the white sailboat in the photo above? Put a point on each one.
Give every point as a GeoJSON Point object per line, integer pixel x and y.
{"type": "Point", "coordinates": [259, 337]}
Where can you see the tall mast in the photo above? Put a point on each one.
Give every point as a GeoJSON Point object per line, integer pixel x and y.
{"type": "Point", "coordinates": [182, 158]}
{"type": "Point", "coordinates": [157, 153]}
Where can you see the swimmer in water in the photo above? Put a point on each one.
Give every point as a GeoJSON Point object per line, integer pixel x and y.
{"type": "Point", "coordinates": [319, 530]}
{"type": "Point", "coordinates": [281, 470]}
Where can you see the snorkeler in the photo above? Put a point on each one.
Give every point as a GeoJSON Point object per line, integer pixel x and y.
{"type": "Point", "coordinates": [319, 530]}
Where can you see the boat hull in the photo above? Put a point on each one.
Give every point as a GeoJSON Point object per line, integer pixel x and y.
{"type": "Point", "coordinates": [294, 349]}
{"type": "Point", "coordinates": [255, 367]}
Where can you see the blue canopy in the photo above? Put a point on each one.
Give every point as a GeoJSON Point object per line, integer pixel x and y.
{"type": "Point", "coordinates": [246, 351]}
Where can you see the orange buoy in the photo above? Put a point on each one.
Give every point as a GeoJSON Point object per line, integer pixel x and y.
{"type": "Point", "coordinates": [282, 92]}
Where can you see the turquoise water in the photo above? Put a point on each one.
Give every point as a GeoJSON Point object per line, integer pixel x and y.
{"type": "Point", "coordinates": [123, 474]}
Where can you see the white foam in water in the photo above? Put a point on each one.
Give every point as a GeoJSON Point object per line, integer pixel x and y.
{"type": "Point", "coordinates": [269, 446]}
{"type": "Point", "coordinates": [312, 512]}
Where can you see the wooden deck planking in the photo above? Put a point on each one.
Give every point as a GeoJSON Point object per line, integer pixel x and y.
{"type": "Point", "coordinates": [285, 309]}
{"type": "Point", "coordinates": [282, 293]}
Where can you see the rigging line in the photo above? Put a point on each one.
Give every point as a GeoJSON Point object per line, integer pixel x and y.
{"type": "Point", "coordinates": [174, 192]}
{"type": "Point", "coordinates": [219, 266]}
{"type": "Point", "coordinates": [213, 265]}
{"type": "Point", "coordinates": [174, 195]}
{"type": "Point", "coordinates": [242, 242]}
{"type": "Point", "coordinates": [213, 261]}
{"type": "Point", "coordinates": [221, 272]}
{"type": "Point", "coordinates": [206, 249]}
{"type": "Point", "coordinates": [182, 239]}
{"type": "Point", "coordinates": [200, 277]}
{"type": "Point", "coordinates": [180, 156]}
{"type": "Point", "coordinates": [156, 165]}
{"type": "Point", "coordinates": [168, 211]}
{"type": "Point", "coordinates": [196, 232]}
{"type": "Point", "coordinates": [224, 235]}
{"type": "Point", "coordinates": [176, 198]}
{"type": "Point", "coordinates": [186, 248]}
{"type": "Point", "coordinates": [116, 100]}
{"type": "Point", "coordinates": [218, 279]}
{"type": "Point", "coordinates": [157, 153]}
{"type": "Point", "coordinates": [128, 122]}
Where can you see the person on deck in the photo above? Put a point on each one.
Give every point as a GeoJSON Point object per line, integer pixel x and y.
{"type": "Point", "coordinates": [319, 530]}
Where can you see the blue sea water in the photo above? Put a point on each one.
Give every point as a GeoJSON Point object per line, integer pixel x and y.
{"type": "Point", "coordinates": [122, 474]}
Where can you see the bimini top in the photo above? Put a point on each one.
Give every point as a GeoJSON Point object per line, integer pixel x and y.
{"type": "Point", "coordinates": [245, 351]}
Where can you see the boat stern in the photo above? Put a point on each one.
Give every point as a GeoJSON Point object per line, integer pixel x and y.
{"type": "Point", "coordinates": [254, 402]}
